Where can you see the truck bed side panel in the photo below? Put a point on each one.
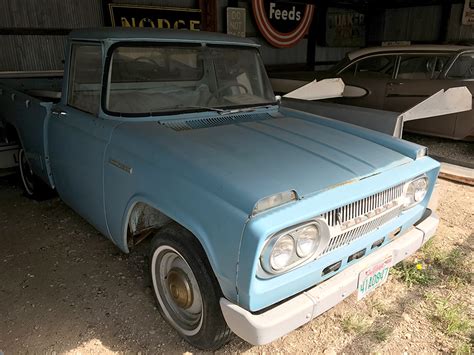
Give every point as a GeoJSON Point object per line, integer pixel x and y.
{"type": "Point", "coordinates": [28, 115]}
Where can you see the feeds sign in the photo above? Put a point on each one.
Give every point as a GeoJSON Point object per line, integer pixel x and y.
{"type": "Point", "coordinates": [282, 23]}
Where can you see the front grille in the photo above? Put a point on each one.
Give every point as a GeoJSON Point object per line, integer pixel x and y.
{"type": "Point", "coordinates": [362, 210]}
{"type": "Point", "coordinates": [347, 237]}
{"type": "Point", "coordinates": [361, 207]}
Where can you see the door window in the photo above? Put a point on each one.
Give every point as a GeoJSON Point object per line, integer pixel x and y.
{"type": "Point", "coordinates": [421, 66]}
{"type": "Point", "coordinates": [463, 67]}
{"type": "Point", "coordinates": [85, 77]}
{"type": "Point", "coordinates": [380, 66]}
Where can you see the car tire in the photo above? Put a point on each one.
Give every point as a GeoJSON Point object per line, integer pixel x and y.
{"type": "Point", "coordinates": [186, 290]}
{"type": "Point", "coordinates": [33, 186]}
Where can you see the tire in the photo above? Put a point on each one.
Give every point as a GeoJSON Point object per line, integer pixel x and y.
{"type": "Point", "coordinates": [33, 186]}
{"type": "Point", "coordinates": [186, 290]}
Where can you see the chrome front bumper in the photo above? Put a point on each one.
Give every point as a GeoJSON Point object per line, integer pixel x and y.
{"type": "Point", "coordinates": [265, 327]}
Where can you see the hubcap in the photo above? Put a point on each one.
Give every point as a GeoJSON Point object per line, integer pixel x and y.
{"type": "Point", "coordinates": [177, 290]}
{"type": "Point", "coordinates": [180, 288]}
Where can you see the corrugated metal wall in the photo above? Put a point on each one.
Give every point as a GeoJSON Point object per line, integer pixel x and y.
{"type": "Point", "coordinates": [42, 52]}
{"type": "Point", "coordinates": [422, 23]}
{"type": "Point", "coordinates": [45, 52]}
{"type": "Point", "coordinates": [50, 14]}
{"type": "Point", "coordinates": [457, 31]}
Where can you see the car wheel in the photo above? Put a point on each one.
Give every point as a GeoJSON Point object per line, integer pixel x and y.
{"type": "Point", "coordinates": [186, 289]}
{"type": "Point", "coordinates": [32, 185]}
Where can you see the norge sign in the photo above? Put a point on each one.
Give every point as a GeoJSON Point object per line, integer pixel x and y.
{"type": "Point", "coordinates": [282, 23]}
{"type": "Point", "coordinates": [128, 15]}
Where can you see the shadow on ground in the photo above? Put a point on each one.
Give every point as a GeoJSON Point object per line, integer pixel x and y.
{"type": "Point", "coordinates": [64, 287]}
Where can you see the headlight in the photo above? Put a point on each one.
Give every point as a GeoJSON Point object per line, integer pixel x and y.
{"type": "Point", "coordinates": [282, 253]}
{"type": "Point", "coordinates": [306, 240]}
{"type": "Point", "coordinates": [293, 246]}
{"type": "Point", "coordinates": [415, 191]}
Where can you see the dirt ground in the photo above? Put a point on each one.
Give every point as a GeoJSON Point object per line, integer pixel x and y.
{"type": "Point", "coordinates": [66, 289]}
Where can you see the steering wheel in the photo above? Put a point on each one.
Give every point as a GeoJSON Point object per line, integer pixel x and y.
{"type": "Point", "coordinates": [146, 59]}
{"type": "Point", "coordinates": [216, 94]}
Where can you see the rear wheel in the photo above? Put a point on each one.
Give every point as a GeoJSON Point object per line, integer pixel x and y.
{"type": "Point", "coordinates": [33, 186]}
{"type": "Point", "coordinates": [186, 289]}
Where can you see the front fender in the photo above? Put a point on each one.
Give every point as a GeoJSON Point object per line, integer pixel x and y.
{"type": "Point", "coordinates": [217, 224]}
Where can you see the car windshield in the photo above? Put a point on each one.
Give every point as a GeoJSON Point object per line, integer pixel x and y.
{"type": "Point", "coordinates": [166, 78]}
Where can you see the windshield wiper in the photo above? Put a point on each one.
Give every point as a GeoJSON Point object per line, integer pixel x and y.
{"type": "Point", "coordinates": [231, 111]}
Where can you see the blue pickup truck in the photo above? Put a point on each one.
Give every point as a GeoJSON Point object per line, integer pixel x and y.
{"type": "Point", "coordinates": [262, 217]}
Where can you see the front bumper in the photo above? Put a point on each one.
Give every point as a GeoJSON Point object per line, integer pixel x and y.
{"type": "Point", "coordinates": [265, 327]}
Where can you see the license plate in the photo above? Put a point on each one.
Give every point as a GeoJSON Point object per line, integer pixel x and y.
{"type": "Point", "coordinates": [373, 277]}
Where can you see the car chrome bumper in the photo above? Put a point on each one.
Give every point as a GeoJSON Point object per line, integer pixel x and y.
{"type": "Point", "coordinates": [265, 327]}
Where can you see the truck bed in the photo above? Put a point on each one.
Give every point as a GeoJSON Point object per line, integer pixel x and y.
{"type": "Point", "coordinates": [45, 86]}
{"type": "Point", "coordinates": [25, 101]}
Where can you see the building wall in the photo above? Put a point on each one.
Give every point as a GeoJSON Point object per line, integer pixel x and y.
{"type": "Point", "coordinates": [42, 52]}
{"type": "Point", "coordinates": [422, 24]}
{"type": "Point", "coordinates": [419, 23]}
{"type": "Point", "coordinates": [456, 30]}
{"type": "Point", "coordinates": [46, 52]}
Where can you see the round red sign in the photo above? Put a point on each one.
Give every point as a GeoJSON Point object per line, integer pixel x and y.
{"type": "Point", "coordinates": [282, 24]}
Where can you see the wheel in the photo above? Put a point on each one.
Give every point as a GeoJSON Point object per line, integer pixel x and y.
{"type": "Point", "coordinates": [33, 186]}
{"type": "Point", "coordinates": [186, 289]}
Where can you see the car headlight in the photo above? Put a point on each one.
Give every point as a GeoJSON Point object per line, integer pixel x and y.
{"type": "Point", "coordinates": [415, 191]}
{"type": "Point", "coordinates": [282, 253]}
{"type": "Point", "coordinates": [306, 240]}
{"type": "Point", "coordinates": [293, 246]}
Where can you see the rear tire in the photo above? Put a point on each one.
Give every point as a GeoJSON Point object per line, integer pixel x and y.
{"type": "Point", "coordinates": [186, 290]}
{"type": "Point", "coordinates": [33, 186]}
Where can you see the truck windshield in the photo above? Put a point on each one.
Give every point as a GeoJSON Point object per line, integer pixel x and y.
{"type": "Point", "coordinates": [167, 78]}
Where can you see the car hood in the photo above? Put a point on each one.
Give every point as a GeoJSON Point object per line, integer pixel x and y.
{"type": "Point", "coordinates": [244, 162]}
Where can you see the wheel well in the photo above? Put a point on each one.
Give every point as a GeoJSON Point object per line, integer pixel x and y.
{"type": "Point", "coordinates": [143, 221]}
{"type": "Point", "coordinates": [8, 132]}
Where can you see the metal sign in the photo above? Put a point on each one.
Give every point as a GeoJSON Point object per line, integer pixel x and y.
{"type": "Point", "coordinates": [468, 13]}
{"type": "Point", "coordinates": [345, 28]}
{"type": "Point", "coordinates": [282, 23]}
{"type": "Point", "coordinates": [127, 15]}
{"type": "Point", "coordinates": [236, 21]}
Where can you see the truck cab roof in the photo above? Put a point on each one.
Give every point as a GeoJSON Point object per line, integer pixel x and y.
{"type": "Point", "coordinates": [119, 34]}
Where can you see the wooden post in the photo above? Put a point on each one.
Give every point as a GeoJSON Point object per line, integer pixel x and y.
{"type": "Point", "coordinates": [209, 15]}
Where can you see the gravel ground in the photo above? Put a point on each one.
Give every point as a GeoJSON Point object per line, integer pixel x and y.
{"type": "Point", "coordinates": [459, 151]}
{"type": "Point", "coordinates": [66, 289]}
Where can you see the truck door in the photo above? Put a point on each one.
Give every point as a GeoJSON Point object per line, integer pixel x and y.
{"type": "Point", "coordinates": [77, 138]}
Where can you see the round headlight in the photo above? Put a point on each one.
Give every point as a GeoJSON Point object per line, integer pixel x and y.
{"type": "Point", "coordinates": [282, 253]}
{"type": "Point", "coordinates": [415, 191]}
{"type": "Point", "coordinates": [307, 240]}
{"type": "Point", "coordinates": [421, 187]}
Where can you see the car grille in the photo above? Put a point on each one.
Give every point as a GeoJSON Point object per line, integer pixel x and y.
{"type": "Point", "coordinates": [367, 208]}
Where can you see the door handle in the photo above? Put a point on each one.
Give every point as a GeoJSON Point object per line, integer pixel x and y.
{"type": "Point", "coordinates": [395, 84]}
{"type": "Point", "coordinates": [58, 112]}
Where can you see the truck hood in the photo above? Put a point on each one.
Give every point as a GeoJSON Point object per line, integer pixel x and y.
{"type": "Point", "coordinates": [244, 162]}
